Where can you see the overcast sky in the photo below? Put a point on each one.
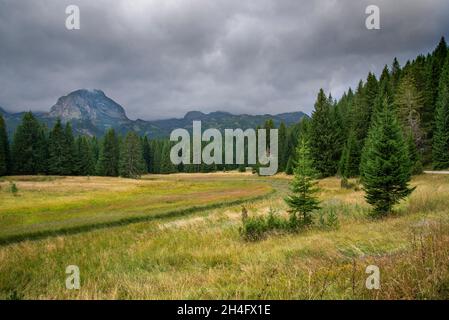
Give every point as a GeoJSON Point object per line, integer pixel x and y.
{"type": "Point", "coordinates": [161, 58]}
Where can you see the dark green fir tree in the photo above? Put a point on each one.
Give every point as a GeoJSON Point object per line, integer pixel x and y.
{"type": "Point", "coordinates": [84, 161]}
{"type": "Point", "coordinates": [290, 166]}
{"type": "Point", "coordinates": [61, 150]}
{"type": "Point", "coordinates": [4, 149]}
{"type": "Point", "coordinates": [440, 152]}
{"type": "Point", "coordinates": [29, 147]}
{"type": "Point", "coordinates": [322, 135]}
{"type": "Point", "coordinates": [146, 152]}
{"type": "Point", "coordinates": [283, 145]}
{"type": "Point", "coordinates": [167, 165]}
{"type": "Point", "coordinates": [108, 159]}
{"type": "Point", "coordinates": [350, 160]}
{"type": "Point", "coordinates": [385, 167]}
{"type": "Point", "coordinates": [303, 200]}
{"type": "Point", "coordinates": [132, 164]}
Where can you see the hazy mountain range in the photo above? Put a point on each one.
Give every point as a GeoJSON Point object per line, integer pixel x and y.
{"type": "Point", "coordinates": [91, 112]}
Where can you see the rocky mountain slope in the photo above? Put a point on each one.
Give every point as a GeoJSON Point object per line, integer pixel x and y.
{"type": "Point", "coordinates": [91, 112]}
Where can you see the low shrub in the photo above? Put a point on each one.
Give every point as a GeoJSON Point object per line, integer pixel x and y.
{"type": "Point", "coordinates": [332, 219]}
{"type": "Point", "coordinates": [257, 228]}
{"type": "Point", "coordinates": [328, 219]}
{"type": "Point", "coordinates": [13, 188]}
{"type": "Point", "coordinates": [254, 228]}
{"type": "Point", "coordinates": [276, 222]}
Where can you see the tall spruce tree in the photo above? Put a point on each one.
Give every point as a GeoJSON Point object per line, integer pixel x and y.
{"type": "Point", "coordinates": [322, 135]}
{"type": "Point", "coordinates": [268, 125]}
{"type": "Point", "coordinates": [385, 167]}
{"type": "Point", "coordinates": [350, 159]}
{"type": "Point", "coordinates": [396, 74]}
{"type": "Point", "coordinates": [294, 134]}
{"type": "Point", "coordinates": [290, 166]}
{"type": "Point", "coordinates": [434, 69]}
{"type": "Point", "coordinates": [440, 152]}
{"type": "Point", "coordinates": [95, 151]}
{"type": "Point", "coordinates": [283, 145]}
{"type": "Point", "coordinates": [42, 150]}
{"type": "Point", "coordinates": [4, 149]}
{"type": "Point", "coordinates": [361, 117]}
{"type": "Point", "coordinates": [371, 90]}
{"type": "Point", "coordinates": [415, 157]}
{"type": "Point", "coordinates": [146, 151]}
{"type": "Point", "coordinates": [166, 165]}
{"type": "Point", "coordinates": [132, 164]}
{"type": "Point", "coordinates": [61, 150]}
{"type": "Point", "coordinates": [409, 101]}
{"type": "Point", "coordinates": [156, 158]}
{"type": "Point", "coordinates": [108, 159]}
{"type": "Point", "coordinates": [70, 148]}
{"type": "Point", "coordinates": [303, 200]}
{"type": "Point", "coordinates": [385, 89]}
{"type": "Point", "coordinates": [28, 148]}
{"type": "Point", "coordinates": [84, 160]}
{"type": "Point", "coordinates": [339, 125]}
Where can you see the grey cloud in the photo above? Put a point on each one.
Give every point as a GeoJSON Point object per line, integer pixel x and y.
{"type": "Point", "coordinates": [161, 58]}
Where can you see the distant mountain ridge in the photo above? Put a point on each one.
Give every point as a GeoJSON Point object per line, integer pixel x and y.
{"type": "Point", "coordinates": [87, 105]}
{"type": "Point", "coordinates": [91, 112]}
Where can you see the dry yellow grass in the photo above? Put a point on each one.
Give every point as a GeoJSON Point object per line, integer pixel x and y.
{"type": "Point", "coordinates": [67, 203]}
{"type": "Point", "coordinates": [204, 256]}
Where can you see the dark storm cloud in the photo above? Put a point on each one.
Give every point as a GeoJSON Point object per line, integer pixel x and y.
{"type": "Point", "coordinates": [162, 58]}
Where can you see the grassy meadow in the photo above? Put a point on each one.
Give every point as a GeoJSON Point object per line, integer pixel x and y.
{"type": "Point", "coordinates": [52, 205]}
{"type": "Point", "coordinates": [177, 237]}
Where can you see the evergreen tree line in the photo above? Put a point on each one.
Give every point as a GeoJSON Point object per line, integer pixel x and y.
{"type": "Point", "coordinates": [337, 132]}
{"type": "Point", "coordinates": [417, 95]}
{"type": "Point", "coordinates": [37, 150]}
{"type": "Point", "coordinates": [383, 133]}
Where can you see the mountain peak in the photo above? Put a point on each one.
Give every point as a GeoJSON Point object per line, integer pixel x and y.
{"type": "Point", "coordinates": [91, 112]}
{"type": "Point", "coordinates": [88, 105]}
{"type": "Point", "coordinates": [194, 115]}
{"type": "Point", "coordinates": [88, 92]}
